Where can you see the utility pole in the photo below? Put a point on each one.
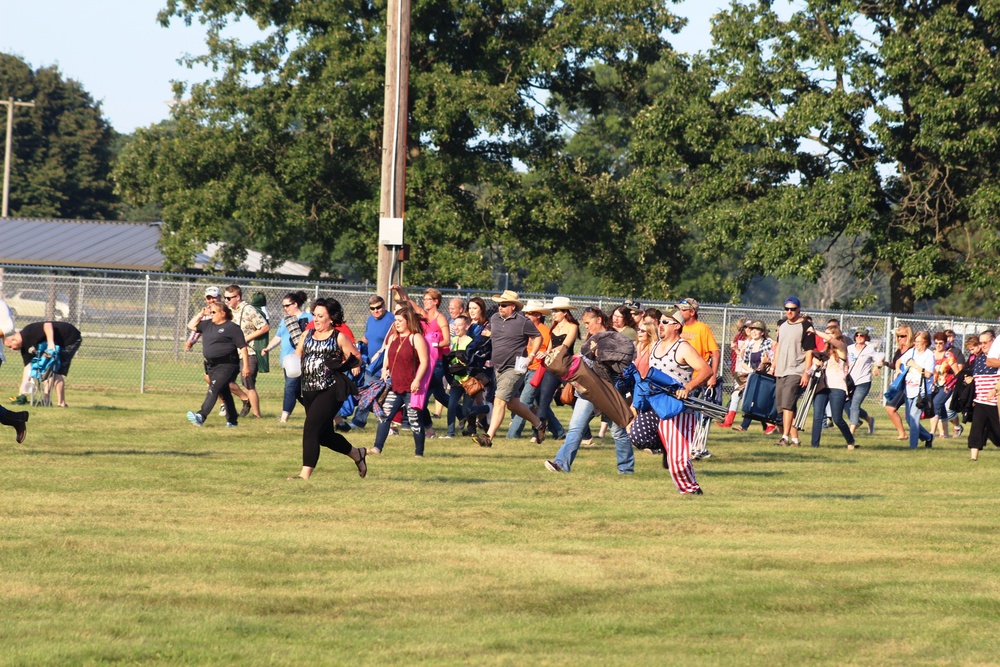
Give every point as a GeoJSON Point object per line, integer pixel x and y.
{"type": "Point", "coordinates": [392, 199]}
{"type": "Point", "coordinates": [6, 157]}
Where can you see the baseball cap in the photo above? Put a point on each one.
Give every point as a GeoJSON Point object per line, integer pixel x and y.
{"type": "Point", "coordinates": [212, 291]}
{"type": "Point", "coordinates": [794, 301]}
{"type": "Point", "coordinates": [687, 304]}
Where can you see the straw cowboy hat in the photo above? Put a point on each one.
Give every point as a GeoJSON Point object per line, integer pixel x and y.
{"type": "Point", "coordinates": [509, 296]}
{"type": "Point", "coordinates": [536, 306]}
{"type": "Point", "coordinates": [560, 303]}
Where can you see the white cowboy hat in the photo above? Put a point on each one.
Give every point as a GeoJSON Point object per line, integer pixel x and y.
{"type": "Point", "coordinates": [509, 296]}
{"type": "Point", "coordinates": [536, 306]}
{"type": "Point", "coordinates": [560, 303]}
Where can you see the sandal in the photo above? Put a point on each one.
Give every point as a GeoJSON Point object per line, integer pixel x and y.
{"type": "Point", "coordinates": [362, 466]}
{"type": "Point", "coordinates": [297, 477]}
{"type": "Point", "coordinates": [737, 428]}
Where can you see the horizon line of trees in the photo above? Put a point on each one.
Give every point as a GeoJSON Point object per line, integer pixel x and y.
{"type": "Point", "coordinates": [846, 151]}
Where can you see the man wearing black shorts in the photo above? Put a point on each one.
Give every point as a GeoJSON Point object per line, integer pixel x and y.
{"type": "Point", "coordinates": [790, 368]}
{"type": "Point", "coordinates": [63, 334]}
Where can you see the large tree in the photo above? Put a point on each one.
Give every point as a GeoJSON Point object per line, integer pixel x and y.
{"type": "Point", "coordinates": [61, 157]}
{"type": "Point", "coordinates": [283, 148]}
{"type": "Point", "coordinates": [861, 122]}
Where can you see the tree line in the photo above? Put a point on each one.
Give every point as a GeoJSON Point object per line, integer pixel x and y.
{"type": "Point", "coordinates": [847, 148]}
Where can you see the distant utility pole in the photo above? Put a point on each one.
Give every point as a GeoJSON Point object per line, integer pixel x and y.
{"type": "Point", "coordinates": [392, 199]}
{"type": "Point", "coordinates": [6, 156]}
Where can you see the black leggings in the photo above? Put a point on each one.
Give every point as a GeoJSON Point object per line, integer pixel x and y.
{"type": "Point", "coordinates": [219, 377]}
{"type": "Point", "coordinates": [985, 426]}
{"type": "Point", "coordinates": [321, 408]}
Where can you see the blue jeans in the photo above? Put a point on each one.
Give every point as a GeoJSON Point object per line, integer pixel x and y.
{"type": "Point", "coordinates": [854, 410]}
{"type": "Point", "coordinates": [836, 399]}
{"type": "Point", "coordinates": [917, 431]}
{"type": "Point", "coordinates": [455, 407]}
{"type": "Point", "coordinates": [291, 393]}
{"type": "Point", "coordinates": [582, 413]}
{"type": "Point", "coordinates": [940, 400]}
{"type": "Point", "coordinates": [528, 396]}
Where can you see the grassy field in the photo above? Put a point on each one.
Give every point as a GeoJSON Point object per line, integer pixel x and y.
{"type": "Point", "coordinates": [131, 537]}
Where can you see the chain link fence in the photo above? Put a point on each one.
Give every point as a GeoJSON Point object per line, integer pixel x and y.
{"type": "Point", "coordinates": [134, 327]}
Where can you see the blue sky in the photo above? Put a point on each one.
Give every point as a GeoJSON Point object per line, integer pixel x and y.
{"type": "Point", "coordinates": [124, 59]}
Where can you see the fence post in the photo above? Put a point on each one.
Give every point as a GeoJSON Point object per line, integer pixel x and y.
{"type": "Point", "coordinates": [724, 358]}
{"type": "Point", "coordinates": [145, 339]}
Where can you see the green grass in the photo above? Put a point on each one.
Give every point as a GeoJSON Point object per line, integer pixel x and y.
{"type": "Point", "coordinates": [131, 537]}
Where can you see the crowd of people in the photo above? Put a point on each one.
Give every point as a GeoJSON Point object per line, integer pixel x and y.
{"type": "Point", "coordinates": [478, 359]}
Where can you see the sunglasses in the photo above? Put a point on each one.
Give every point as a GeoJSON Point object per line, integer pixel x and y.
{"type": "Point", "coordinates": [378, 307]}
{"type": "Point", "coordinates": [902, 336]}
{"type": "Point", "coordinates": [229, 297]}
{"type": "Point", "coordinates": [791, 310]}
{"type": "Point", "coordinates": [664, 320]}
{"type": "Point", "coordinates": [287, 305]}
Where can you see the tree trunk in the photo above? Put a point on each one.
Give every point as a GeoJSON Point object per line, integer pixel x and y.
{"type": "Point", "coordinates": [901, 295]}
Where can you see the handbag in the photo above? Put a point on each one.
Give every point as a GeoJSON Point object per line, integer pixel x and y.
{"type": "Point", "coordinates": [897, 386]}
{"type": "Point", "coordinates": [567, 396]}
{"type": "Point", "coordinates": [538, 376]}
{"type": "Point", "coordinates": [472, 385]}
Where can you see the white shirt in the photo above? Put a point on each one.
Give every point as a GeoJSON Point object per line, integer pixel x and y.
{"type": "Point", "coordinates": [861, 363]}
{"type": "Point", "coordinates": [6, 324]}
{"type": "Point", "coordinates": [925, 362]}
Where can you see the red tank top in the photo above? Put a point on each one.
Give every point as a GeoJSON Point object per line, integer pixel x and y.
{"type": "Point", "coordinates": [402, 364]}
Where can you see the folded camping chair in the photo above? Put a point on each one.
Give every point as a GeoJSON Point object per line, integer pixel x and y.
{"type": "Point", "coordinates": [44, 368]}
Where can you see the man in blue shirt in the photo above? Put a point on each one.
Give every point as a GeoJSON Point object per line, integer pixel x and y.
{"type": "Point", "coordinates": [376, 330]}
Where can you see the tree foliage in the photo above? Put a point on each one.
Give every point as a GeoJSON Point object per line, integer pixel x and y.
{"type": "Point", "coordinates": [283, 147]}
{"type": "Point", "coordinates": [867, 122]}
{"type": "Point", "coordinates": [61, 153]}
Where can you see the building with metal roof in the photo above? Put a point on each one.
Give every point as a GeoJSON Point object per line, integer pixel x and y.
{"type": "Point", "coordinates": [105, 245]}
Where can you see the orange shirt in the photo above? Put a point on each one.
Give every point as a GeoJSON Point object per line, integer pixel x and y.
{"type": "Point", "coordinates": [546, 337]}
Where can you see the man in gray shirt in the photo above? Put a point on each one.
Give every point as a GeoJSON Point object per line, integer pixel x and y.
{"type": "Point", "coordinates": [513, 335]}
{"type": "Point", "coordinates": [791, 367]}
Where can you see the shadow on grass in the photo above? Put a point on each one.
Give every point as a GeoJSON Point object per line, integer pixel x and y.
{"type": "Point", "coordinates": [741, 473]}
{"type": "Point", "coordinates": [830, 496]}
{"type": "Point", "coordinates": [121, 452]}
{"type": "Point", "coordinates": [107, 407]}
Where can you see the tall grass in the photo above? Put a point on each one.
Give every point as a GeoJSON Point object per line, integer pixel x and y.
{"type": "Point", "coordinates": [130, 536]}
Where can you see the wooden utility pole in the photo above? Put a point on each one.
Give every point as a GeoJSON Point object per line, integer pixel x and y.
{"type": "Point", "coordinates": [392, 201]}
{"type": "Point", "coordinates": [6, 157]}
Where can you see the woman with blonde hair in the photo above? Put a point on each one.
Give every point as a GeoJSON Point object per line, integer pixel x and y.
{"type": "Point", "coordinates": [835, 393]}
{"type": "Point", "coordinates": [918, 364]}
{"type": "Point", "coordinates": [904, 341]}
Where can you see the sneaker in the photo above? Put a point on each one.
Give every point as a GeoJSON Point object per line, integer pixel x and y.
{"type": "Point", "coordinates": [539, 433]}
{"type": "Point", "coordinates": [231, 425]}
{"type": "Point", "coordinates": [222, 410]}
{"type": "Point", "coordinates": [771, 428]}
{"type": "Point", "coordinates": [446, 437]}
{"type": "Point", "coordinates": [246, 409]}
{"type": "Point", "coordinates": [697, 492]}
{"type": "Point", "coordinates": [196, 418]}
{"type": "Point", "coordinates": [483, 440]}
{"type": "Point", "coordinates": [929, 443]}
{"type": "Point", "coordinates": [871, 426]}
{"type": "Point", "coordinates": [696, 457]}
{"type": "Point", "coordinates": [959, 430]}
{"type": "Point", "coordinates": [393, 430]}
{"type": "Point", "coordinates": [706, 454]}
{"type": "Point", "coordinates": [552, 466]}
{"type": "Point", "coordinates": [783, 442]}
{"type": "Point", "coordinates": [343, 427]}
